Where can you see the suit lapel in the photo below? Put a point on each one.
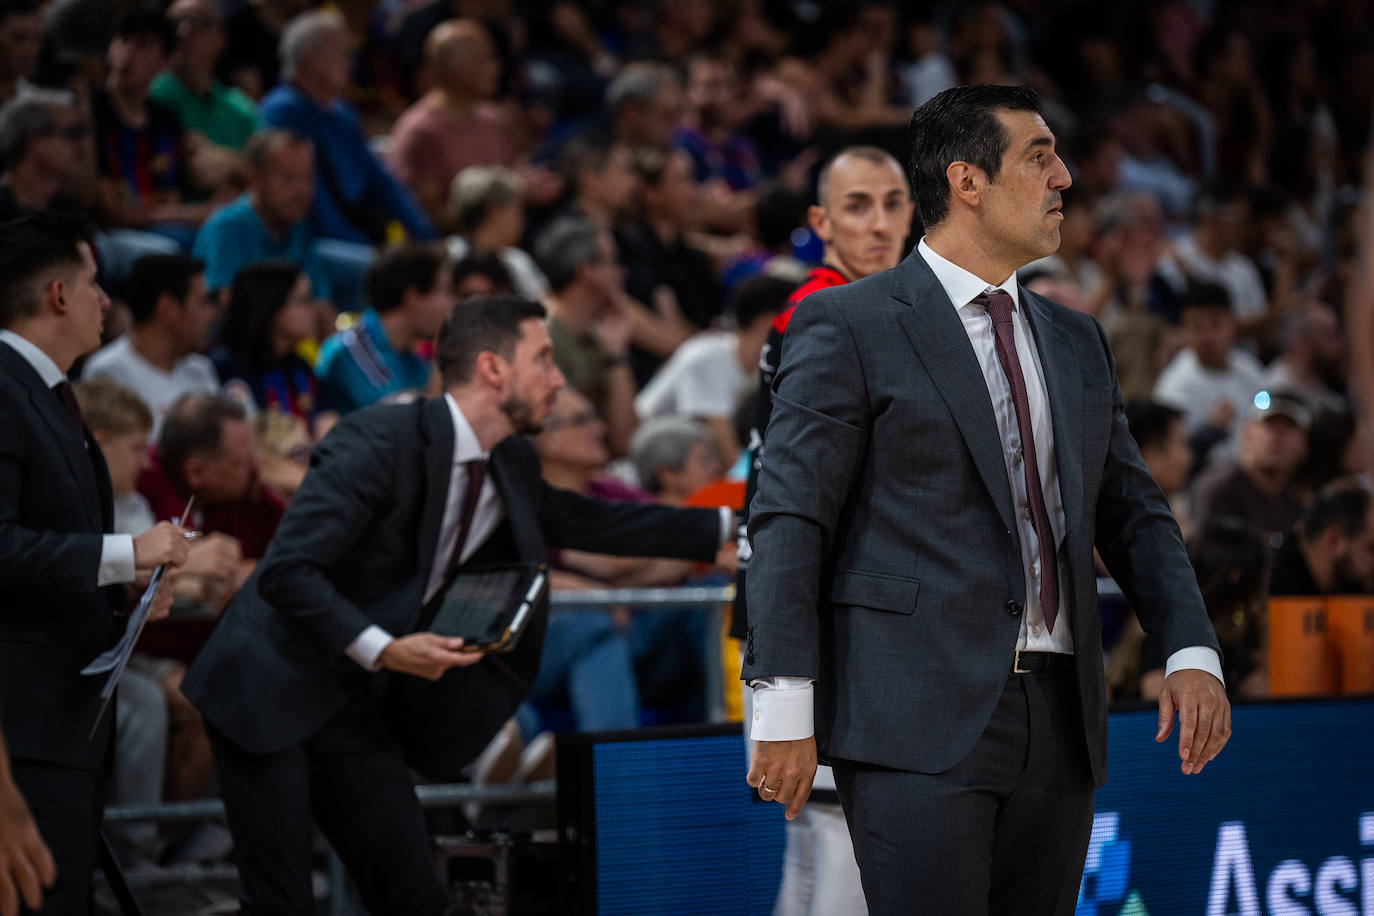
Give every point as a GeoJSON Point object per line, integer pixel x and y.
{"type": "Point", "coordinates": [1065, 392]}
{"type": "Point", "coordinates": [73, 443]}
{"type": "Point", "coordinates": [932, 324]}
{"type": "Point", "coordinates": [437, 427]}
{"type": "Point", "coordinates": [520, 514]}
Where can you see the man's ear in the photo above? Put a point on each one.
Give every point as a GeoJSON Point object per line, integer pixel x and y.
{"type": "Point", "coordinates": [965, 182]}
{"type": "Point", "coordinates": [819, 218]}
{"type": "Point", "coordinates": [55, 294]}
{"type": "Point", "coordinates": [491, 368]}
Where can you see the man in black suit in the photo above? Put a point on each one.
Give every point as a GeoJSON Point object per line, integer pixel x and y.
{"type": "Point", "coordinates": [320, 686]}
{"type": "Point", "coordinates": [945, 451]}
{"type": "Point", "coordinates": [56, 561]}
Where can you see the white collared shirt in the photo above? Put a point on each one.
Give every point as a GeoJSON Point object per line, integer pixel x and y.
{"type": "Point", "coordinates": [368, 647]}
{"type": "Point", "coordinates": [783, 706]}
{"type": "Point", "coordinates": [116, 550]}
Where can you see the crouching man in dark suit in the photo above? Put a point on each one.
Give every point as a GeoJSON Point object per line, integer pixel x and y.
{"type": "Point", "coordinates": [320, 686]}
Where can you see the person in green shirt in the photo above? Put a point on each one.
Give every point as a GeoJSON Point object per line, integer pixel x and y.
{"type": "Point", "coordinates": [224, 116]}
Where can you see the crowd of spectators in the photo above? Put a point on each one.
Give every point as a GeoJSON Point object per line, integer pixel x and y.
{"type": "Point", "coordinates": [291, 199]}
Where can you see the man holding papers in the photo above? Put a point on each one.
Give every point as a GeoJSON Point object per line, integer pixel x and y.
{"type": "Point", "coordinates": [321, 685]}
{"type": "Point", "coordinates": [56, 561]}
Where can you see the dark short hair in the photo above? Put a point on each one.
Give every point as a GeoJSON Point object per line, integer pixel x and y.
{"type": "Point", "coordinates": [194, 426]}
{"type": "Point", "coordinates": [758, 296]}
{"type": "Point", "coordinates": [479, 325]}
{"type": "Point", "coordinates": [1231, 560]}
{"type": "Point", "coordinates": [258, 293]}
{"type": "Point", "coordinates": [1150, 422]}
{"type": "Point", "coordinates": [155, 275]}
{"type": "Point", "coordinates": [1202, 295]}
{"type": "Point", "coordinates": [778, 212]}
{"type": "Point", "coordinates": [566, 246]}
{"type": "Point", "coordinates": [959, 125]}
{"type": "Point", "coordinates": [486, 263]}
{"type": "Point", "coordinates": [412, 266]}
{"type": "Point", "coordinates": [34, 248]}
{"type": "Point", "coordinates": [1343, 503]}
{"type": "Point", "coordinates": [145, 19]}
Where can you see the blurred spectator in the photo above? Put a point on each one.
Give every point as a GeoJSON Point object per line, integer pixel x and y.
{"type": "Point", "coordinates": [271, 221]}
{"type": "Point", "coordinates": [779, 215]}
{"type": "Point", "coordinates": [269, 314]}
{"type": "Point", "coordinates": [487, 203]}
{"type": "Point", "coordinates": [1158, 431]}
{"type": "Point", "coordinates": [1212, 254]}
{"type": "Point", "coordinates": [1143, 344]}
{"type": "Point", "coordinates": [41, 139]}
{"type": "Point", "coordinates": [720, 152]}
{"type": "Point", "coordinates": [120, 423]}
{"type": "Point", "coordinates": [252, 38]}
{"type": "Point", "coordinates": [644, 104]}
{"type": "Point", "coordinates": [589, 321]}
{"type": "Point", "coordinates": [208, 108]}
{"type": "Point", "coordinates": [709, 374]}
{"type": "Point", "coordinates": [661, 267]}
{"type": "Point", "coordinates": [1148, 154]}
{"type": "Point", "coordinates": [207, 448]}
{"type": "Point", "coordinates": [599, 173]}
{"type": "Point", "coordinates": [1132, 243]}
{"type": "Point", "coordinates": [159, 359]}
{"type": "Point", "coordinates": [1312, 359]}
{"type": "Point", "coordinates": [1258, 486]}
{"type": "Point", "coordinates": [1333, 553]}
{"type": "Point", "coordinates": [411, 292]}
{"type": "Point", "coordinates": [141, 148]}
{"type": "Point", "coordinates": [283, 451]}
{"type": "Point", "coordinates": [20, 23]}
{"type": "Point", "coordinates": [455, 125]}
{"type": "Point", "coordinates": [930, 71]}
{"type": "Point", "coordinates": [1332, 451]}
{"type": "Point", "coordinates": [1232, 565]}
{"type": "Point", "coordinates": [481, 274]}
{"type": "Point", "coordinates": [675, 457]}
{"type": "Point", "coordinates": [356, 199]}
{"type": "Point", "coordinates": [1210, 380]}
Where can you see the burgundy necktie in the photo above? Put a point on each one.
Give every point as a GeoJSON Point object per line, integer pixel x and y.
{"type": "Point", "coordinates": [999, 306]}
{"type": "Point", "coordinates": [477, 473]}
{"type": "Point", "coordinates": [67, 396]}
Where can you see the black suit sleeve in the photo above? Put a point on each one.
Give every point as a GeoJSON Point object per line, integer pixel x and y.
{"type": "Point", "coordinates": [579, 522]}
{"type": "Point", "coordinates": [350, 480]}
{"type": "Point", "coordinates": [29, 558]}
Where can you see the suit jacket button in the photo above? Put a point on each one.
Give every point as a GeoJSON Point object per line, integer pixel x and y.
{"type": "Point", "coordinates": [749, 658]}
{"type": "Point", "coordinates": [1013, 609]}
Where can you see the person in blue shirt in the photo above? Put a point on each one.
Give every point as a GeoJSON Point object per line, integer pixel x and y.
{"type": "Point", "coordinates": [356, 199]}
{"type": "Point", "coordinates": [411, 292]}
{"type": "Point", "coordinates": [272, 221]}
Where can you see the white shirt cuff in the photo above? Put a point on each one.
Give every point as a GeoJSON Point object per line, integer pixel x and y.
{"type": "Point", "coordinates": [784, 709]}
{"type": "Point", "coordinates": [116, 561]}
{"type": "Point", "coordinates": [727, 525]}
{"type": "Point", "coordinates": [369, 646]}
{"type": "Point", "coordinates": [1202, 657]}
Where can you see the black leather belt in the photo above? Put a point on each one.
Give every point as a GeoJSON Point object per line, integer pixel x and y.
{"type": "Point", "coordinates": [1040, 662]}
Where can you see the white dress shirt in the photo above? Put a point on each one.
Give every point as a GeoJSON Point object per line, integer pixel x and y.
{"type": "Point", "coordinates": [368, 647]}
{"type": "Point", "coordinates": [116, 550]}
{"type": "Point", "coordinates": [785, 712]}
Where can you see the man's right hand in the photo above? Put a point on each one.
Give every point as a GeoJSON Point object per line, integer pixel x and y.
{"type": "Point", "coordinates": [783, 771]}
{"type": "Point", "coordinates": [164, 543]}
{"type": "Point", "coordinates": [26, 866]}
{"type": "Point", "coordinates": [426, 655]}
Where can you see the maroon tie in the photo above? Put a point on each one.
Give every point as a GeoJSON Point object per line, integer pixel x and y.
{"type": "Point", "coordinates": [67, 396]}
{"type": "Point", "coordinates": [477, 473]}
{"type": "Point", "coordinates": [999, 306]}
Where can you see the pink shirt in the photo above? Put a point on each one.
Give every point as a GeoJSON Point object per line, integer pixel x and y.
{"type": "Point", "coordinates": [429, 146]}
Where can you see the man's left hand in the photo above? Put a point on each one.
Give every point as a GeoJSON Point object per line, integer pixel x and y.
{"type": "Point", "coordinates": [1204, 716]}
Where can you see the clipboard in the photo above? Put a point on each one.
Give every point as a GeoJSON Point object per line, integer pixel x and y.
{"type": "Point", "coordinates": [489, 606]}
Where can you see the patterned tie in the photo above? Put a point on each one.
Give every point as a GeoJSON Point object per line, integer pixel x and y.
{"type": "Point", "coordinates": [67, 396]}
{"type": "Point", "coordinates": [999, 306]}
{"type": "Point", "coordinates": [477, 473]}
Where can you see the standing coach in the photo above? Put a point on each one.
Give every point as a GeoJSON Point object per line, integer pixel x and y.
{"type": "Point", "coordinates": [945, 451]}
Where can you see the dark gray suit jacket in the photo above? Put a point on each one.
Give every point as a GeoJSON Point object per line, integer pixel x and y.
{"type": "Point", "coordinates": [55, 508]}
{"type": "Point", "coordinates": [355, 548]}
{"type": "Point", "coordinates": [886, 556]}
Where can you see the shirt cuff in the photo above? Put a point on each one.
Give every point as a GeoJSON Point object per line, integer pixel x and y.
{"type": "Point", "coordinates": [369, 646]}
{"type": "Point", "coordinates": [783, 709]}
{"type": "Point", "coordinates": [116, 561]}
{"type": "Point", "coordinates": [1204, 658]}
{"type": "Point", "coordinates": [727, 525]}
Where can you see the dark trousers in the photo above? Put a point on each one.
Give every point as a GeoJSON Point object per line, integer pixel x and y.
{"type": "Point", "coordinates": [349, 779]}
{"type": "Point", "coordinates": [66, 804]}
{"type": "Point", "coordinates": [1004, 831]}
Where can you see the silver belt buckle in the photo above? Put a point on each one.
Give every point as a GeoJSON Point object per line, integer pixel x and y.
{"type": "Point", "coordinates": [1016, 665]}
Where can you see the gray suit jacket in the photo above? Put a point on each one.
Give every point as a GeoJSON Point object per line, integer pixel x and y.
{"type": "Point", "coordinates": [886, 557]}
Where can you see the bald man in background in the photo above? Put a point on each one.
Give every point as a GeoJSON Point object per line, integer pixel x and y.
{"type": "Point", "coordinates": [454, 124]}
{"type": "Point", "coordinates": [862, 215]}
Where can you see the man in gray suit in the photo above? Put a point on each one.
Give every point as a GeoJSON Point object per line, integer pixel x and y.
{"type": "Point", "coordinates": [946, 450]}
